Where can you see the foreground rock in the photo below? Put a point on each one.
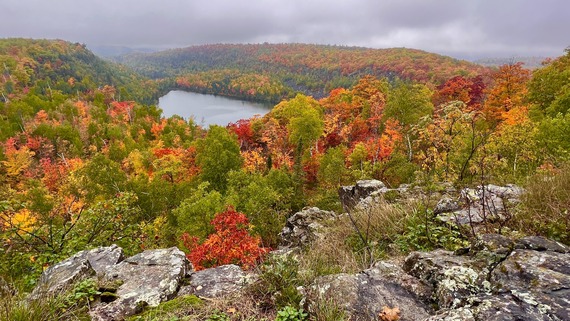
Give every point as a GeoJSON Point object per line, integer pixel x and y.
{"type": "Point", "coordinates": [364, 295]}
{"type": "Point", "coordinates": [216, 282]}
{"type": "Point", "coordinates": [146, 279]}
{"type": "Point", "coordinates": [495, 279]}
{"type": "Point", "coordinates": [304, 227]}
{"type": "Point", "coordinates": [61, 276]}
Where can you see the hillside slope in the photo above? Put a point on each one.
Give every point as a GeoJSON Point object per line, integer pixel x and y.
{"type": "Point", "coordinates": [276, 71]}
{"type": "Point", "coordinates": [68, 67]}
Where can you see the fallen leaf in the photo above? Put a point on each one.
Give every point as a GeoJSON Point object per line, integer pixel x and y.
{"type": "Point", "coordinates": [389, 314]}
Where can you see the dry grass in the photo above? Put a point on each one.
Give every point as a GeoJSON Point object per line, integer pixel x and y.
{"type": "Point", "coordinates": [330, 254]}
{"type": "Point", "coordinates": [353, 242]}
{"type": "Point", "coordinates": [17, 308]}
{"type": "Point", "coordinates": [545, 208]}
{"type": "Point", "coordinates": [384, 221]}
{"type": "Point", "coordinates": [237, 307]}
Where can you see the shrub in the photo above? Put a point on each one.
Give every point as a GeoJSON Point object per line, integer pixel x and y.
{"type": "Point", "coordinates": [230, 244]}
{"type": "Point", "coordinates": [290, 313]}
{"type": "Point", "coordinates": [218, 316]}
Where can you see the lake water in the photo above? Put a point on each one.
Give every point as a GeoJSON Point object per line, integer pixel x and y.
{"type": "Point", "coordinates": [209, 109]}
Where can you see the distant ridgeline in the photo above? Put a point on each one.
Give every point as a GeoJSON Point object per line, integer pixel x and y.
{"type": "Point", "coordinates": [51, 67]}
{"type": "Point", "coordinates": [272, 72]}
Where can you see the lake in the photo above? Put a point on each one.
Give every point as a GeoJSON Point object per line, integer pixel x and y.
{"type": "Point", "coordinates": [209, 109]}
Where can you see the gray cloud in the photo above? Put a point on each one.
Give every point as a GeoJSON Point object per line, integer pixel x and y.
{"type": "Point", "coordinates": [461, 28]}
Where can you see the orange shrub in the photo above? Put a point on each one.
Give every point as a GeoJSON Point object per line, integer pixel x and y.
{"type": "Point", "coordinates": [230, 244]}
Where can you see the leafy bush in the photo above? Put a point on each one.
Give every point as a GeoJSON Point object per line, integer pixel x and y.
{"type": "Point", "coordinates": [290, 313]}
{"type": "Point", "coordinates": [218, 316]}
{"type": "Point", "coordinates": [81, 295]}
{"type": "Point", "coordinates": [230, 244]}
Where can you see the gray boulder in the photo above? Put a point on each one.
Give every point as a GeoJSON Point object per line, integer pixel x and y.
{"type": "Point", "coordinates": [61, 276]}
{"type": "Point", "coordinates": [147, 278]}
{"type": "Point", "coordinates": [538, 278]}
{"type": "Point", "coordinates": [446, 205]}
{"type": "Point", "coordinates": [485, 203]}
{"type": "Point", "coordinates": [103, 258]}
{"type": "Point", "coordinates": [216, 282]}
{"type": "Point", "coordinates": [304, 227]}
{"type": "Point", "coordinates": [350, 196]}
{"type": "Point", "coordinates": [495, 281]}
{"type": "Point", "coordinates": [364, 295]}
{"type": "Point", "coordinates": [539, 243]}
{"type": "Point", "coordinates": [504, 307]}
{"type": "Point", "coordinates": [453, 278]}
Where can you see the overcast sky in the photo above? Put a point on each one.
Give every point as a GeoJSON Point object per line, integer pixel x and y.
{"type": "Point", "coordinates": [461, 28]}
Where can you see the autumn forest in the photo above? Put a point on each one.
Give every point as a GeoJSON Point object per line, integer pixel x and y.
{"type": "Point", "coordinates": [86, 158]}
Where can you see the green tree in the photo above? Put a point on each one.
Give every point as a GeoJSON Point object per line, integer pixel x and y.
{"type": "Point", "coordinates": [255, 195]}
{"type": "Point", "coordinates": [101, 178]}
{"type": "Point", "coordinates": [332, 170]}
{"type": "Point", "coordinates": [549, 88]}
{"type": "Point", "coordinates": [217, 155]}
{"type": "Point", "coordinates": [194, 214]}
{"type": "Point", "coordinates": [407, 103]}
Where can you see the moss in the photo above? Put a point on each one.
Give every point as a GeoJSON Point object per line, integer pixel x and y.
{"type": "Point", "coordinates": [109, 285]}
{"type": "Point", "coordinates": [167, 309]}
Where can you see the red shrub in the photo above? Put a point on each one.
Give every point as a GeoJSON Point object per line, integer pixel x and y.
{"type": "Point", "coordinates": [230, 244]}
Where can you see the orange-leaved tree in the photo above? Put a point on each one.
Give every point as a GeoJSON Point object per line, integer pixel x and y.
{"type": "Point", "coordinates": [230, 244]}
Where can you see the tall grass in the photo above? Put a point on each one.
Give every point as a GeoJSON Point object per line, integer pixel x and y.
{"type": "Point", "coordinates": [48, 308]}
{"type": "Point", "coordinates": [545, 208]}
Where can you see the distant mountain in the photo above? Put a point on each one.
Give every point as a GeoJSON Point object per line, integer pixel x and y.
{"type": "Point", "coordinates": [287, 68]}
{"type": "Point", "coordinates": [528, 62]}
{"type": "Point", "coordinates": [68, 67]}
{"type": "Point", "coordinates": [108, 51]}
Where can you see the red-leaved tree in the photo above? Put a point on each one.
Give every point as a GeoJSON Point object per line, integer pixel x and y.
{"type": "Point", "coordinates": [230, 244]}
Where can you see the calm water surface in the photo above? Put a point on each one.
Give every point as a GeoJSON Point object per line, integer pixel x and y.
{"type": "Point", "coordinates": [209, 109]}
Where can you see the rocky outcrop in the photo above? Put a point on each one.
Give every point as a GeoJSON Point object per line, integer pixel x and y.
{"type": "Point", "coordinates": [147, 278]}
{"type": "Point", "coordinates": [495, 279]}
{"type": "Point", "coordinates": [61, 276]}
{"type": "Point", "coordinates": [304, 227]}
{"type": "Point", "coordinates": [350, 196]}
{"type": "Point", "coordinates": [486, 203]}
{"type": "Point", "coordinates": [364, 295]}
{"type": "Point", "coordinates": [216, 282]}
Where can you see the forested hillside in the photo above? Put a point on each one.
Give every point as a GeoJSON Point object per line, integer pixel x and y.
{"type": "Point", "coordinates": [272, 72]}
{"type": "Point", "coordinates": [85, 162]}
{"type": "Point", "coordinates": [46, 65]}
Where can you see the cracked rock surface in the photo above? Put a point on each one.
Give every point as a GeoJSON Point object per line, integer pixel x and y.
{"type": "Point", "coordinates": [495, 279]}
{"type": "Point", "coordinates": [147, 278]}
